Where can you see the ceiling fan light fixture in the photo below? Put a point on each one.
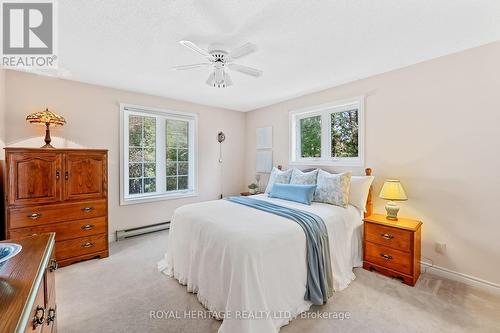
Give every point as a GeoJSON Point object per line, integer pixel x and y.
{"type": "Point", "coordinates": [211, 79]}
{"type": "Point", "coordinates": [219, 74]}
{"type": "Point", "coordinates": [227, 80]}
{"type": "Point", "coordinates": [222, 81]}
{"type": "Point", "coordinates": [220, 62]}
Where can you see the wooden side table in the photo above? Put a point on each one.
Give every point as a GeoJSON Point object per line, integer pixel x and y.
{"type": "Point", "coordinates": [392, 248]}
{"type": "Point", "coordinates": [247, 194]}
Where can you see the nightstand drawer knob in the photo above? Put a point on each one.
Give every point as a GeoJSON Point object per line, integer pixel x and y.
{"type": "Point", "coordinates": [386, 256]}
{"type": "Point", "coordinates": [387, 236]}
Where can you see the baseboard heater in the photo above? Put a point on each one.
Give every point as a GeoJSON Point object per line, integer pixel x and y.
{"type": "Point", "coordinates": [127, 233]}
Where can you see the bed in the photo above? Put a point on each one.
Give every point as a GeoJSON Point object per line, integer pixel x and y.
{"type": "Point", "coordinates": [248, 267]}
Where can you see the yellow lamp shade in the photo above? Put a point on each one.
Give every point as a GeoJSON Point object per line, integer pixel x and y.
{"type": "Point", "coordinates": [393, 190]}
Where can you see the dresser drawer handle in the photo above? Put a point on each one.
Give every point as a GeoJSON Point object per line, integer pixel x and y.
{"type": "Point", "coordinates": [87, 227]}
{"type": "Point", "coordinates": [53, 265]}
{"type": "Point", "coordinates": [87, 245]}
{"type": "Point", "coordinates": [51, 316]}
{"type": "Point", "coordinates": [35, 216]}
{"type": "Point", "coordinates": [87, 209]}
{"type": "Point", "coordinates": [39, 316]}
{"type": "Point", "coordinates": [387, 236]}
{"type": "Point", "coordinates": [386, 256]}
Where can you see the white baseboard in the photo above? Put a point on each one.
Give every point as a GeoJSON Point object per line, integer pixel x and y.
{"type": "Point", "coordinates": [460, 277]}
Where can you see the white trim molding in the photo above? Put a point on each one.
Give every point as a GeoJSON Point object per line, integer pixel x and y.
{"type": "Point", "coordinates": [161, 192]}
{"type": "Point", "coordinates": [460, 277]}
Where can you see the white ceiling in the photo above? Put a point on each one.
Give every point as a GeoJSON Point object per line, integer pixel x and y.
{"type": "Point", "coordinates": [304, 46]}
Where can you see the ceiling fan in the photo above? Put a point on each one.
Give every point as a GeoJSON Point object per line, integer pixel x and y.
{"type": "Point", "coordinates": [219, 61]}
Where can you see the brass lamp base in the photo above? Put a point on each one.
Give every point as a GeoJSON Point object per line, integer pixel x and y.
{"type": "Point", "coordinates": [392, 210]}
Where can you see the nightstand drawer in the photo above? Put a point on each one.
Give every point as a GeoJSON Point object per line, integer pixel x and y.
{"type": "Point", "coordinates": [387, 257]}
{"type": "Point", "coordinates": [392, 237]}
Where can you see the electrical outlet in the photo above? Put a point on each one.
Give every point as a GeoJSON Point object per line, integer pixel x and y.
{"type": "Point", "coordinates": [440, 248]}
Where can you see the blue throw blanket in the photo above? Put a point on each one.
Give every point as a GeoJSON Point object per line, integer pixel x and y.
{"type": "Point", "coordinates": [319, 272]}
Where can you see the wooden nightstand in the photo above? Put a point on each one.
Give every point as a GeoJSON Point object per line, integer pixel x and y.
{"type": "Point", "coordinates": [392, 248]}
{"type": "Point", "coordinates": [247, 194]}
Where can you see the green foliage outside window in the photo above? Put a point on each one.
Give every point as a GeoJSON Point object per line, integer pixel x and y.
{"type": "Point", "coordinates": [142, 154]}
{"type": "Point", "coordinates": [310, 137]}
{"type": "Point", "coordinates": [177, 136]}
{"type": "Point", "coordinates": [345, 134]}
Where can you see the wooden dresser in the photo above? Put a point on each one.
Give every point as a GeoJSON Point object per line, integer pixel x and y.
{"type": "Point", "coordinates": [392, 247]}
{"type": "Point", "coordinates": [27, 287]}
{"type": "Point", "coordinates": [62, 191]}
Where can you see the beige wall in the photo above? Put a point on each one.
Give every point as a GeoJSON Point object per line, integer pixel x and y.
{"type": "Point", "coordinates": [92, 114]}
{"type": "Point", "coordinates": [435, 126]}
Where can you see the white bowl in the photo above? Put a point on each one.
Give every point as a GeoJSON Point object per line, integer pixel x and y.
{"type": "Point", "coordinates": [8, 250]}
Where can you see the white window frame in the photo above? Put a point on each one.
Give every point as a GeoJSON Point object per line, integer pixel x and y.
{"type": "Point", "coordinates": [161, 194]}
{"type": "Point", "coordinates": [325, 110]}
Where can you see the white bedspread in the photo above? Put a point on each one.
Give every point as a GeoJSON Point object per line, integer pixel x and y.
{"type": "Point", "coordinates": [246, 263]}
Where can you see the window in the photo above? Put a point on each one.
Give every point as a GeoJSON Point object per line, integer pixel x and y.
{"type": "Point", "coordinates": [331, 134]}
{"type": "Point", "coordinates": [158, 154]}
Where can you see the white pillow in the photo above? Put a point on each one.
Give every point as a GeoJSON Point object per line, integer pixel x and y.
{"type": "Point", "coordinates": [358, 193]}
{"type": "Point", "coordinates": [278, 176]}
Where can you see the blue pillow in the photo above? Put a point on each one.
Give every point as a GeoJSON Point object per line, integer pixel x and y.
{"type": "Point", "coordinates": [293, 192]}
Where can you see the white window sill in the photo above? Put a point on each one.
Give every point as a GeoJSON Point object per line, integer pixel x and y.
{"type": "Point", "coordinates": [319, 162]}
{"type": "Point", "coordinates": [157, 197]}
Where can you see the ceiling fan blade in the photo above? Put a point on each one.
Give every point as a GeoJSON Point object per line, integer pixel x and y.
{"type": "Point", "coordinates": [243, 50]}
{"type": "Point", "coordinates": [246, 70]}
{"type": "Point", "coordinates": [192, 46]}
{"type": "Point", "coordinates": [184, 67]}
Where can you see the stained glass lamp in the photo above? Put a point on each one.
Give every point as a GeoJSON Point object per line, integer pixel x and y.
{"type": "Point", "coordinates": [46, 118]}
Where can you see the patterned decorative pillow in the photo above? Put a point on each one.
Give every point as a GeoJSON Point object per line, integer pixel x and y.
{"type": "Point", "coordinates": [304, 178]}
{"type": "Point", "coordinates": [279, 177]}
{"type": "Point", "coordinates": [333, 188]}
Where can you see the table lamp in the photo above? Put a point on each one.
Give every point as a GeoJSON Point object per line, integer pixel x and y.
{"type": "Point", "coordinates": [392, 191]}
{"type": "Point", "coordinates": [46, 118]}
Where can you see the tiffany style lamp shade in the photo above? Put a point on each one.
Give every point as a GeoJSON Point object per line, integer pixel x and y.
{"type": "Point", "coordinates": [46, 118]}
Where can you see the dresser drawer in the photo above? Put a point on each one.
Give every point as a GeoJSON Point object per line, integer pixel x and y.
{"type": "Point", "coordinates": [387, 257]}
{"type": "Point", "coordinates": [80, 246]}
{"type": "Point", "coordinates": [39, 215]}
{"type": "Point", "coordinates": [398, 239]}
{"type": "Point", "coordinates": [64, 230]}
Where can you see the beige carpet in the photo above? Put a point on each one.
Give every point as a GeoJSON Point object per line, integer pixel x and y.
{"type": "Point", "coordinates": [117, 294]}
